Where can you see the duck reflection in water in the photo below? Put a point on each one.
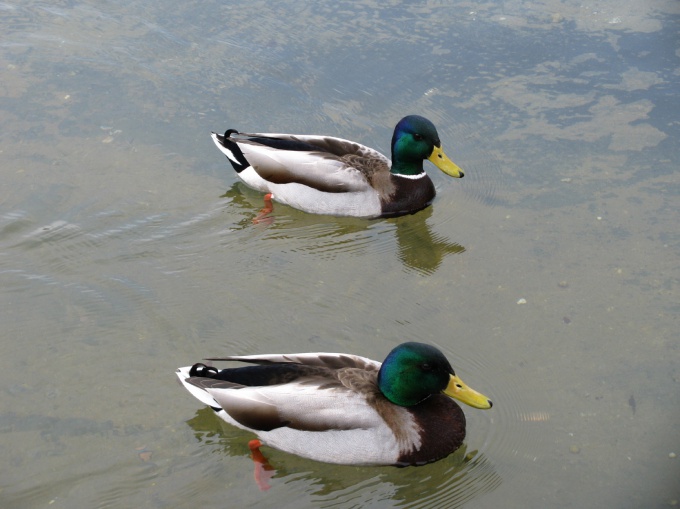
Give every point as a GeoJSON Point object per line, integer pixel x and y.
{"type": "Point", "coordinates": [419, 249]}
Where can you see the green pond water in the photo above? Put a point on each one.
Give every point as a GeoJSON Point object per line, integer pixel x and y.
{"type": "Point", "coordinates": [549, 275]}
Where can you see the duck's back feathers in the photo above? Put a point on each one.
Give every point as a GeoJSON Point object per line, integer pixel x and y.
{"type": "Point", "coordinates": [338, 147]}
{"type": "Point", "coordinates": [299, 392]}
{"type": "Point", "coordinates": [323, 359]}
{"type": "Point", "coordinates": [330, 165]}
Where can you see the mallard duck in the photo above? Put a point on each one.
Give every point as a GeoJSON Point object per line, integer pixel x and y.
{"type": "Point", "coordinates": [326, 175]}
{"type": "Point", "coordinates": [343, 408]}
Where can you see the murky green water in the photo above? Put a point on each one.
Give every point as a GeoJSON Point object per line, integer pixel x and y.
{"type": "Point", "coordinates": [549, 275]}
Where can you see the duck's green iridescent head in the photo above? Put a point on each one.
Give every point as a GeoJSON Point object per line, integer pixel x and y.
{"type": "Point", "coordinates": [413, 372]}
{"type": "Point", "coordinates": [415, 139]}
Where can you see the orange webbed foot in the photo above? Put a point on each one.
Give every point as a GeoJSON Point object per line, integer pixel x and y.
{"type": "Point", "coordinates": [263, 470]}
{"type": "Point", "coordinates": [261, 217]}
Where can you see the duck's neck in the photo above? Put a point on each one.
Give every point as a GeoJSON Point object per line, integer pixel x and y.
{"type": "Point", "coordinates": [406, 168]}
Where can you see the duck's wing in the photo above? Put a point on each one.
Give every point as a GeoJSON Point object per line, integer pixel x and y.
{"type": "Point", "coordinates": [326, 163]}
{"type": "Point", "coordinates": [320, 359]}
{"type": "Point", "coordinates": [333, 145]}
{"type": "Point", "coordinates": [304, 405]}
{"type": "Point", "coordinates": [307, 392]}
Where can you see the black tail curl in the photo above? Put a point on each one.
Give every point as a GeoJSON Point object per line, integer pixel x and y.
{"type": "Point", "coordinates": [202, 370]}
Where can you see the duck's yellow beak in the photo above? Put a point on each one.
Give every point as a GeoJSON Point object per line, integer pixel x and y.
{"type": "Point", "coordinates": [441, 161]}
{"type": "Point", "coordinates": [458, 390]}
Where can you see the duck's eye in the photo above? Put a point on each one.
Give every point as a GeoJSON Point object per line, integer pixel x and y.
{"type": "Point", "coordinates": [425, 367]}
{"type": "Point", "coordinates": [417, 137]}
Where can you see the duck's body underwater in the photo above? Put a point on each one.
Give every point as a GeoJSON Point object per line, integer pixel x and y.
{"type": "Point", "coordinates": [327, 175]}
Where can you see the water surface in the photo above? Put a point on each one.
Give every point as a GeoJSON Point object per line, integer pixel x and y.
{"type": "Point", "coordinates": [549, 275]}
